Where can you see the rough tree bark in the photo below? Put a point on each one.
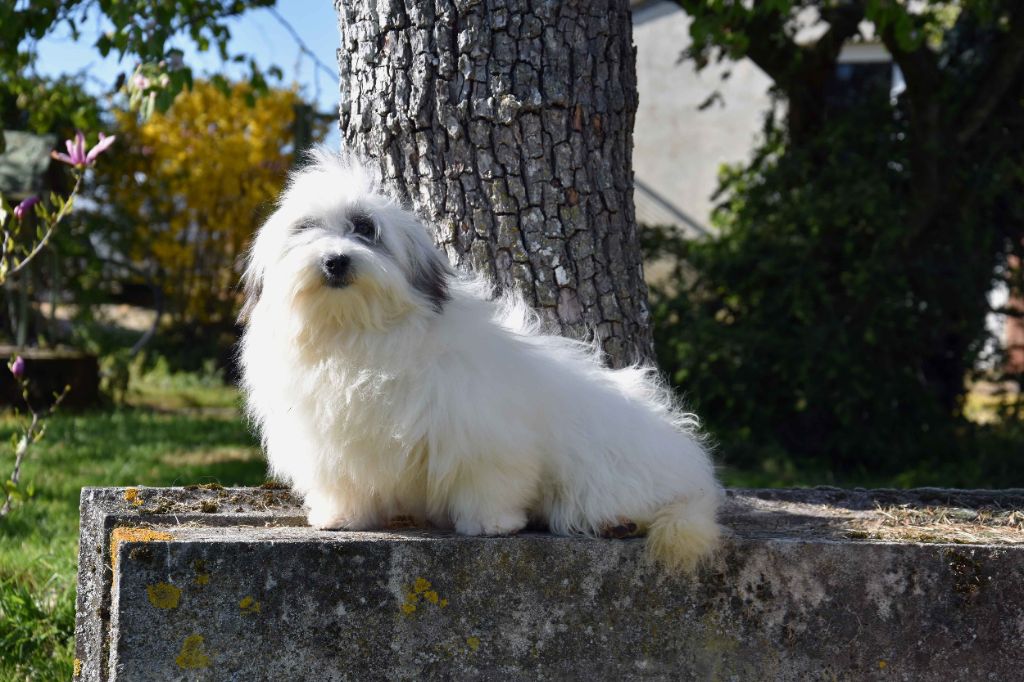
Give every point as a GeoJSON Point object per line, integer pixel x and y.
{"type": "Point", "coordinates": [509, 125]}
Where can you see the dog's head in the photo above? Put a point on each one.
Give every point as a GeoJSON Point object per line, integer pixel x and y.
{"type": "Point", "coordinates": [342, 250]}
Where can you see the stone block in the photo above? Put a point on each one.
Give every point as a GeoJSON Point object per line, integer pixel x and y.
{"type": "Point", "coordinates": [820, 584]}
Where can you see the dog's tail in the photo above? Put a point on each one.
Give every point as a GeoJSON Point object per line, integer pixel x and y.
{"type": "Point", "coordinates": [685, 532]}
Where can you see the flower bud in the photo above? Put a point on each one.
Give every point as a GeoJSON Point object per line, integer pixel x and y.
{"type": "Point", "coordinates": [22, 209]}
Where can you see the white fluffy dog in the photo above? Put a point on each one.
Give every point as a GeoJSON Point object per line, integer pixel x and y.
{"type": "Point", "coordinates": [386, 385]}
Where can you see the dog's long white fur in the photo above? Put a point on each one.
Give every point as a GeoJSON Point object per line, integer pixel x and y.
{"type": "Point", "coordinates": [383, 398]}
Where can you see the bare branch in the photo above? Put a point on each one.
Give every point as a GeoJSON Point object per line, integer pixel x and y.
{"type": "Point", "coordinates": [304, 48]}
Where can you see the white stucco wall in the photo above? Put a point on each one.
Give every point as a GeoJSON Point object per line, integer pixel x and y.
{"type": "Point", "coordinates": [678, 149]}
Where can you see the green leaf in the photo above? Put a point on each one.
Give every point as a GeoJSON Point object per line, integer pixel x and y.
{"type": "Point", "coordinates": [164, 99]}
{"type": "Point", "coordinates": [104, 44]}
{"type": "Point", "coordinates": [221, 83]}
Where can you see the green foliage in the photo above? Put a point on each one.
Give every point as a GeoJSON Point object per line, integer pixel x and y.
{"type": "Point", "coordinates": [805, 328]}
{"type": "Point", "coordinates": [834, 321]}
{"type": "Point", "coordinates": [730, 29]}
{"type": "Point", "coordinates": [42, 105]}
{"type": "Point", "coordinates": [142, 29]}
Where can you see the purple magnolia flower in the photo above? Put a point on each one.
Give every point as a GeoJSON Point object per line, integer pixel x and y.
{"type": "Point", "coordinates": [77, 155]}
{"type": "Point", "coordinates": [18, 366]}
{"type": "Point", "coordinates": [22, 209]}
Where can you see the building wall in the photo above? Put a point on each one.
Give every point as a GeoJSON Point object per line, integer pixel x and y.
{"type": "Point", "coordinates": [678, 148]}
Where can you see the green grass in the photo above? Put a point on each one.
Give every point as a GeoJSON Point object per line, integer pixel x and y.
{"type": "Point", "coordinates": [162, 389]}
{"type": "Point", "coordinates": [161, 439]}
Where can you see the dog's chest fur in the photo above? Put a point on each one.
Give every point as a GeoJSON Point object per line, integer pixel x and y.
{"type": "Point", "coordinates": [371, 410]}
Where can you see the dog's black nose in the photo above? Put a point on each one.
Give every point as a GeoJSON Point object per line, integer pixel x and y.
{"type": "Point", "coordinates": [336, 270]}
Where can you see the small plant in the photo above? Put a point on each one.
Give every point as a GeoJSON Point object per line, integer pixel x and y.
{"type": "Point", "coordinates": [16, 252]}
{"type": "Point", "coordinates": [31, 432]}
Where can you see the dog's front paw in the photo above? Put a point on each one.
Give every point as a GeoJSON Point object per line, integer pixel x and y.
{"type": "Point", "coordinates": [502, 524]}
{"type": "Point", "coordinates": [326, 520]}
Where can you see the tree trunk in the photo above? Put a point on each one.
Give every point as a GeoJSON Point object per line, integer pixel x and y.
{"type": "Point", "coordinates": [509, 125]}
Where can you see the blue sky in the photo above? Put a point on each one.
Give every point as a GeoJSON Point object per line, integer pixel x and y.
{"type": "Point", "coordinates": [256, 33]}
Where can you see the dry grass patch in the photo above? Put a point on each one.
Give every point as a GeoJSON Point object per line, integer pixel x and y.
{"type": "Point", "coordinates": [986, 525]}
{"type": "Point", "coordinates": [210, 456]}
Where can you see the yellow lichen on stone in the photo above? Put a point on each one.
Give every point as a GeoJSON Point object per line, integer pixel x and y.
{"type": "Point", "coordinates": [249, 605]}
{"type": "Point", "coordinates": [473, 642]}
{"type": "Point", "coordinates": [421, 591]}
{"type": "Point", "coordinates": [202, 576]}
{"type": "Point", "coordinates": [882, 665]}
{"type": "Point", "coordinates": [131, 495]}
{"type": "Point", "coordinates": [163, 595]}
{"type": "Point", "coordinates": [76, 670]}
{"type": "Point", "coordinates": [127, 534]}
{"type": "Point", "coordinates": [193, 656]}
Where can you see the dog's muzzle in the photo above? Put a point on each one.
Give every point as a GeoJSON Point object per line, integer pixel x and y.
{"type": "Point", "coordinates": [337, 270]}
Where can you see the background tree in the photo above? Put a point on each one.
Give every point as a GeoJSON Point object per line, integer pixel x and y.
{"type": "Point", "coordinates": [144, 30]}
{"type": "Point", "coordinates": [509, 125]}
{"type": "Point", "coordinates": [146, 37]}
{"type": "Point", "coordinates": [843, 306]}
{"type": "Point", "coordinates": [192, 184]}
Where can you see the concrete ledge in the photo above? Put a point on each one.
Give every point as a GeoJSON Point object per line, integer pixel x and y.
{"type": "Point", "coordinates": [229, 584]}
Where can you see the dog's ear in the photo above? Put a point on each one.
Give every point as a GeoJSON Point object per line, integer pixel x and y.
{"type": "Point", "coordinates": [431, 278]}
{"type": "Point", "coordinates": [428, 271]}
{"type": "Point", "coordinates": [252, 289]}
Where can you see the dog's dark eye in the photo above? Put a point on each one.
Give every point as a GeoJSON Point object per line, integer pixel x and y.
{"type": "Point", "coordinates": [364, 226]}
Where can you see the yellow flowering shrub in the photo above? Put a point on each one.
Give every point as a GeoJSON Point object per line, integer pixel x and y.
{"type": "Point", "coordinates": [195, 182]}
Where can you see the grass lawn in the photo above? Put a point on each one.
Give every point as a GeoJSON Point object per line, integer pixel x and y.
{"type": "Point", "coordinates": [175, 431]}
